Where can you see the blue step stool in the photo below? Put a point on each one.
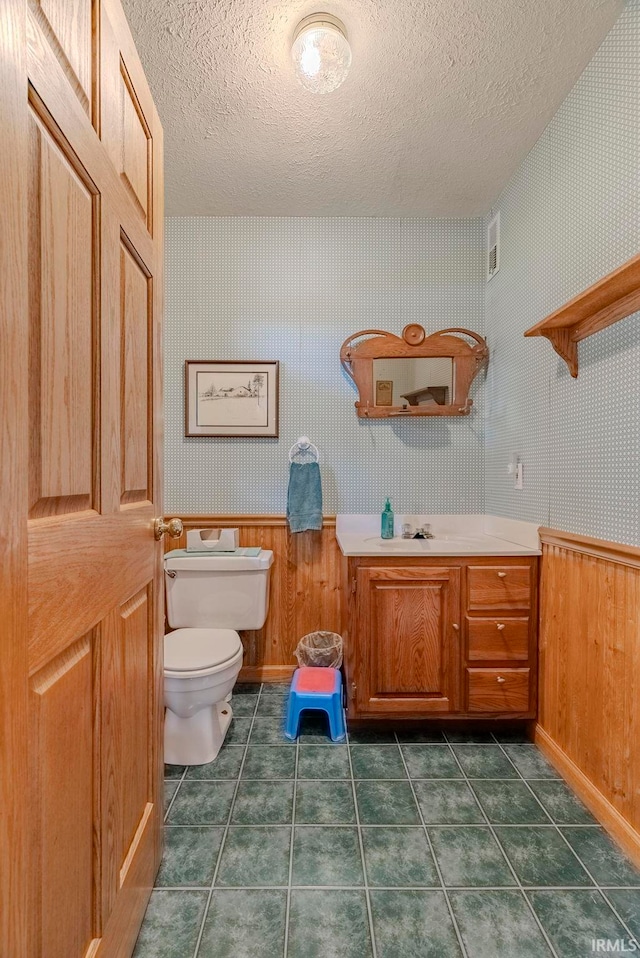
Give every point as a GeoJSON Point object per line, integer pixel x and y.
{"type": "Point", "coordinates": [319, 689]}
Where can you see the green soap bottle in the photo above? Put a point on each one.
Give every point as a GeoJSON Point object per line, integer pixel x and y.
{"type": "Point", "coordinates": [386, 526]}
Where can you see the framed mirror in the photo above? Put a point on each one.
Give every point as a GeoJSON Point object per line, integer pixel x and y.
{"type": "Point", "coordinates": [416, 374]}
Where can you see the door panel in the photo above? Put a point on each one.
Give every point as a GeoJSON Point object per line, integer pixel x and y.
{"type": "Point", "coordinates": [62, 228]}
{"type": "Point", "coordinates": [68, 27]}
{"type": "Point", "coordinates": [136, 144]}
{"type": "Point", "coordinates": [63, 757]}
{"type": "Point", "coordinates": [129, 768]}
{"type": "Point", "coordinates": [135, 302]}
{"type": "Point", "coordinates": [136, 747]}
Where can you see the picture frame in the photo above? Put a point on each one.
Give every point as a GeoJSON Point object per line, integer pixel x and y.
{"type": "Point", "coordinates": [384, 392]}
{"type": "Point", "coordinates": [231, 398]}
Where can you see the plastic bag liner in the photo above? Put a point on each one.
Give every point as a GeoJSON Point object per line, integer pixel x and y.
{"type": "Point", "coordinates": [320, 649]}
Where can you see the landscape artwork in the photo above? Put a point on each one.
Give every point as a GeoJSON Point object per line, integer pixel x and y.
{"type": "Point", "coordinates": [231, 399]}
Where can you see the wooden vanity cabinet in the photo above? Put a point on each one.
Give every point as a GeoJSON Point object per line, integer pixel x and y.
{"type": "Point", "coordinates": [442, 637]}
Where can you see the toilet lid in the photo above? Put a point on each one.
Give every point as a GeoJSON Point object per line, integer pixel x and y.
{"type": "Point", "coordinates": [187, 650]}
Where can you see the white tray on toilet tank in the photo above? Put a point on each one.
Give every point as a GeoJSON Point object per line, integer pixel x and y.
{"type": "Point", "coordinates": [212, 540]}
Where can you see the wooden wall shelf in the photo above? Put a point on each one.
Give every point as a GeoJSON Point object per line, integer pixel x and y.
{"type": "Point", "coordinates": [613, 297]}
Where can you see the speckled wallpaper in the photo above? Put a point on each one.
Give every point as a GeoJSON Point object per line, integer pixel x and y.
{"type": "Point", "coordinates": [570, 215]}
{"type": "Point", "coordinates": [293, 289]}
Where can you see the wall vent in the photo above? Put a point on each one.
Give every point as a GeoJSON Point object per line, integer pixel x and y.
{"type": "Point", "coordinates": [493, 246]}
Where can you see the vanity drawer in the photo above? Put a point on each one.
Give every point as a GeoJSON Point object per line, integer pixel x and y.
{"type": "Point", "coordinates": [498, 587]}
{"type": "Point", "coordinates": [498, 690]}
{"type": "Point", "coordinates": [499, 639]}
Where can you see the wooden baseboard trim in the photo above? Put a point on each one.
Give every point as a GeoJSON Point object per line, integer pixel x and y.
{"type": "Point", "coordinates": [266, 673]}
{"type": "Point", "coordinates": [611, 819]}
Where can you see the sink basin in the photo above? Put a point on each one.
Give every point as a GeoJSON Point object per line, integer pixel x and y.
{"type": "Point", "coordinates": [403, 545]}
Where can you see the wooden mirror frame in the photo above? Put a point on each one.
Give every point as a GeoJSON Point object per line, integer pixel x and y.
{"type": "Point", "coordinates": [357, 361]}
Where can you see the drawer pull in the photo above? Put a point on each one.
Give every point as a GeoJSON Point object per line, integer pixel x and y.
{"type": "Point", "coordinates": [502, 575]}
{"type": "Point", "coordinates": [500, 626]}
{"type": "Point", "coordinates": [454, 625]}
{"type": "Point", "coordinates": [500, 679]}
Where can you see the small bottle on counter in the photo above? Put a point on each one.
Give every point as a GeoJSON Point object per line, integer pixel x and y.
{"type": "Point", "coordinates": [386, 525]}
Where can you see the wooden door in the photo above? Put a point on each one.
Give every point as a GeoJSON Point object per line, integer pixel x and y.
{"type": "Point", "coordinates": [14, 776]}
{"type": "Point", "coordinates": [407, 638]}
{"type": "Point", "coordinates": [83, 451]}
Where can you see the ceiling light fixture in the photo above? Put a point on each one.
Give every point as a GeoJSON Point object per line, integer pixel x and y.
{"type": "Point", "coordinates": [321, 52]}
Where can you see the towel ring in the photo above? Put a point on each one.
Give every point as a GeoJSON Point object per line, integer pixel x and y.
{"type": "Point", "coordinates": [305, 446]}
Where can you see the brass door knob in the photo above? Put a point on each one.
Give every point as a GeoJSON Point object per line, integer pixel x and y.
{"type": "Point", "coordinates": [170, 527]}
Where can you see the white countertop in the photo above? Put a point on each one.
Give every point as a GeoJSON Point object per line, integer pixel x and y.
{"type": "Point", "coordinates": [454, 535]}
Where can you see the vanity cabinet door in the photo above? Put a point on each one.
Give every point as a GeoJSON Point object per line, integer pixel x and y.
{"type": "Point", "coordinates": [407, 655]}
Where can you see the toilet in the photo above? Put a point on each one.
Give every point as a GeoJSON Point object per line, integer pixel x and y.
{"type": "Point", "coordinates": [209, 597]}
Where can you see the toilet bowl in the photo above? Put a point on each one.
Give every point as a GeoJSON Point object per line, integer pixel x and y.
{"type": "Point", "coordinates": [209, 597]}
{"type": "Point", "coordinates": [201, 668]}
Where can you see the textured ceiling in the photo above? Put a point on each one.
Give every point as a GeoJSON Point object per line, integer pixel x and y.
{"type": "Point", "coordinates": [444, 99]}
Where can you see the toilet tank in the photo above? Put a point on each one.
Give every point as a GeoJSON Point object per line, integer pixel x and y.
{"type": "Point", "coordinates": [217, 591]}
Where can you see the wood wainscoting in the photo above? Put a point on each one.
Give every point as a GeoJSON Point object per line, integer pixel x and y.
{"type": "Point", "coordinates": [305, 592]}
{"type": "Point", "coordinates": [589, 706]}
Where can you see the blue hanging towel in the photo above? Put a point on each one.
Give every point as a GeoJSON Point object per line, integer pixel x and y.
{"type": "Point", "coordinates": [304, 497]}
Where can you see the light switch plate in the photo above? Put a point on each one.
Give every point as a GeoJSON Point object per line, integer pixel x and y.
{"type": "Point", "coordinates": [519, 483]}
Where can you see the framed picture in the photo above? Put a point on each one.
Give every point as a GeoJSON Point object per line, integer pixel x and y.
{"type": "Point", "coordinates": [231, 399]}
{"type": "Point", "coordinates": [384, 392]}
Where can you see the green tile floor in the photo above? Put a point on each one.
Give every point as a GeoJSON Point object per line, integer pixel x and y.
{"type": "Point", "coordinates": [420, 844]}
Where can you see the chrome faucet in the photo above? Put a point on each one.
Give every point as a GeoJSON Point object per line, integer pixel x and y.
{"type": "Point", "coordinates": [424, 532]}
{"type": "Point", "coordinates": [421, 532]}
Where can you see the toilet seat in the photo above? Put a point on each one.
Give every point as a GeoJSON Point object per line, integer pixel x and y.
{"type": "Point", "coordinates": [200, 651]}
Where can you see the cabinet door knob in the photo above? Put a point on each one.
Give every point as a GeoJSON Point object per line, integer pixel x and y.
{"type": "Point", "coordinates": [500, 626]}
{"type": "Point", "coordinates": [500, 679]}
{"type": "Point", "coordinates": [502, 575]}
{"type": "Point", "coordinates": [454, 625]}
